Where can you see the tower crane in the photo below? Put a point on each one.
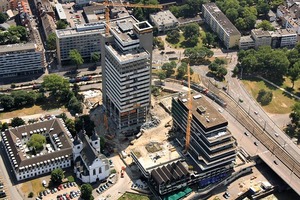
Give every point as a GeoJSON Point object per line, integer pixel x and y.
{"type": "Point", "coordinates": [190, 114]}
{"type": "Point", "coordinates": [108, 4]}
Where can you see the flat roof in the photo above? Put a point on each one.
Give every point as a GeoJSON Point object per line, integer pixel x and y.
{"type": "Point", "coordinates": [60, 11]}
{"type": "Point", "coordinates": [13, 140]}
{"type": "Point", "coordinates": [247, 38]}
{"type": "Point", "coordinates": [164, 17]}
{"type": "Point", "coordinates": [261, 33]}
{"type": "Point", "coordinates": [17, 47]}
{"type": "Point", "coordinates": [167, 153]}
{"type": "Point", "coordinates": [210, 117]}
{"type": "Point", "coordinates": [221, 18]}
{"type": "Point", "coordinates": [133, 55]}
{"type": "Point", "coordinates": [84, 29]}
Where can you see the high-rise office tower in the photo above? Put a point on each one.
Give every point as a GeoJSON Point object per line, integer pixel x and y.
{"type": "Point", "coordinates": [126, 57]}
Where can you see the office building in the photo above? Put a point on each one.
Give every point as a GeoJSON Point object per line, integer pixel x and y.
{"type": "Point", "coordinates": [246, 42]}
{"type": "Point", "coordinates": [24, 161]}
{"type": "Point", "coordinates": [283, 38]}
{"type": "Point", "coordinates": [221, 25]}
{"type": "Point", "coordinates": [126, 56]}
{"type": "Point", "coordinates": [85, 38]}
{"type": "Point", "coordinates": [261, 38]}
{"type": "Point", "coordinates": [20, 59]}
{"type": "Point", "coordinates": [89, 164]}
{"type": "Point", "coordinates": [164, 21]}
{"type": "Point", "coordinates": [212, 149]}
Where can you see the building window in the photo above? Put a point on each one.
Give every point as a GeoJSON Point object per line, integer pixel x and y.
{"type": "Point", "coordinates": [94, 171]}
{"type": "Point", "coordinates": [78, 147]}
{"type": "Point", "coordinates": [100, 171]}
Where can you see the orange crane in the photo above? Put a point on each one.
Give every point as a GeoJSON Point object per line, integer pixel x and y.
{"type": "Point", "coordinates": [108, 4]}
{"type": "Point", "coordinates": [190, 114]}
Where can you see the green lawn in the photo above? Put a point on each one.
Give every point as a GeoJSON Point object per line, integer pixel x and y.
{"type": "Point", "coordinates": [281, 102]}
{"type": "Point", "coordinates": [131, 196]}
{"type": "Point", "coordinates": [181, 43]}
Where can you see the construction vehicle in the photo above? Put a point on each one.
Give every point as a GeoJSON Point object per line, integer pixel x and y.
{"type": "Point", "coordinates": [110, 4]}
{"type": "Point", "coordinates": [190, 114]}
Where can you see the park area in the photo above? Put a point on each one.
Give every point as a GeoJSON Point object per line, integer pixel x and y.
{"type": "Point", "coordinates": [133, 196]}
{"type": "Point", "coordinates": [281, 102]}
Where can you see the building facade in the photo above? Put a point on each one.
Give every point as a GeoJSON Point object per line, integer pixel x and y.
{"type": "Point", "coordinates": [221, 25]}
{"type": "Point", "coordinates": [85, 38]}
{"type": "Point", "coordinates": [246, 42]}
{"type": "Point", "coordinates": [126, 56]}
{"type": "Point", "coordinates": [20, 59]}
{"type": "Point", "coordinates": [212, 149]}
{"type": "Point", "coordinates": [164, 21]}
{"type": "Point", "coordinates": [261, 38]}
{"type": "Point", "coordinates": [25, 163]}
{"type": "Point", "coordinates": [89, 164]}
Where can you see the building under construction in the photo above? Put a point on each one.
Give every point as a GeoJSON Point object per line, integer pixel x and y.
{"type": "Point", "coordinates": [212, 149]}
{"type": "Point", "coordinates": [126, 72]}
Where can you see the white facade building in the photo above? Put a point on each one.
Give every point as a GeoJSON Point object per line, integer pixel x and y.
{"type": "Point", "coordinates": [89, 164]}
{"type": "Point", "coordinates": [164, 21]}
{"type": "Point", "coordinates": [24, 162]}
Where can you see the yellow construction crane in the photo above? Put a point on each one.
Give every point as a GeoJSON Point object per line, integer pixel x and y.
{"type": "Point", "coordinates": [190, 114]}
{"type": "Point", "coordinates": [108, 4]}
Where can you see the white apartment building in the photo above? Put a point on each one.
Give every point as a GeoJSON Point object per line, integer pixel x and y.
{"type": "Point", "coordinates": [164, 21]}
{"type": "Point", "coordinates": [283, 38]}
{"type": "Point", "coordinates": [126, 72]}
{"type": "Point", "coordinates": [20, 59]}
{"type": "Point", "coordinates": [24, 162]}
{"type": "Point", "coordinates": [89, 164]}
{"type": "Point", "coordinates": [86, 38]}
{"type": "Point", "coordinates": [246, 42]}
{"type": "Point", "coordinates": [221, 25]}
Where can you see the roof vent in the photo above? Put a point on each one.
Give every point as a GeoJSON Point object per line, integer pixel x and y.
{"type": "Point", "coordinates": [201, 109]}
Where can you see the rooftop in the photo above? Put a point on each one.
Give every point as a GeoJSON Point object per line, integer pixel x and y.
{"type": "Point", "coordinates": [4, 49]}
{"type": "Point", "coordinates": [82, 29]}
{"type": "Point", "coordinates": [247, 38]}
{"type": "Point", "coordinates": [204, 112]}
{"type": "Point", "coordinates": [164, 17]}
{"type": "Point", "coordinates": [16, 138]}
{"type": "Point", "coordinates": [60, 11]}
{"type": "Point", "coordinates": [221, 18]}
{"type": "Point", "coordinates": [260, 33]}
{"type": "Point", "coordinates": [155, 154]}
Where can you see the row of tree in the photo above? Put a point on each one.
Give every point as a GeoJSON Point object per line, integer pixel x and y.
{"type": "Point", "coordinates": [270, 63]}
{"type": "Point", "coordinates": [19, 99]}
{"type": "Point", "coordinates": [13, 35]}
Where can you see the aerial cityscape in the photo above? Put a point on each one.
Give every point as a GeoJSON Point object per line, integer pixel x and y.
{"type": "Point", "coordinates": [149, 99]}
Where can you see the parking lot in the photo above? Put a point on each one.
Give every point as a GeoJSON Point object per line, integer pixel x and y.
{"type": "Point", "coordinates": [64, 191]}
{"type": "Point", "coordinates": [74, 16]}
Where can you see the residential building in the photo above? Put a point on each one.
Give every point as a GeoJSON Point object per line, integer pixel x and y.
{"type": "Point", "coordinates": [4, 5]}
{"type": "Point", "coordinates": [25, 162]}
{"type": "Point", "coordinates": [48, 24]}
{"type": "Point", "coordinates": [261, 38]}
{"type": "Point", "coordinates": [89, 164]}
{"type": "Point", "coordinates": [20, 59]}
{"type": "Point", "coordinates": [164, 21]}
{"type": "Point", "coordinates": [289, 15]}
{"type": "Point", "coordinates": [126, 56]}
{"type": "Point", "coordinates": [185, 21]}
{"type": "Point", "coordinates": [212, 149]}
{"type": "Point", "coordinates": [283, 38]}
{"type": "Point", "coordinates": [221, 25]}
{"type": "Point", "coordinates": [44, 7]}
{"type": "Point", "coordinates": [246, 42]}
{"type": "Point", "coordinates": [85, 38]}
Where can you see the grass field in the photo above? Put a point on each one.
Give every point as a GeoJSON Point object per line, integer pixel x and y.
{"type": "Point", "coordinates": [181, 43]}
{"type": "Point", "coordinates": [131, 196]}
{"type": "Point", "coordinates": [281, 102]}
{"type": "Point", "coordinates": [34, 186]}
{"type": "Point", "coordinates": [22, 112]}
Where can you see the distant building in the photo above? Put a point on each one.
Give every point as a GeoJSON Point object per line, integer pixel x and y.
{"type": "Point", "coordinates": [48, 23]}
{"type": "Point", "coordinates": [89, 164]}
{"type": "Point", "coordinates": [60, 11]}
{"type": "Point", "coordinates": [86, 38]}
{"type": "Point", "coordinates": [44, 7]}
{"type": "Point", "coordinates": [20, 59]}
{"type": "Point", "coordinates": [94, 13]}
{"type": "Point", "coordinates": [289, 15]}
{"type": "Point", "coordinates": [221, 25]}
{"type": "Point", "coordinates": [57, 151]}
{"type": "Point", "coordinates": [85, 2]}
{"type": "Point", "coordinates": [261, 38]}
{"type": "Point", "coordinates": [184, 21]}
{"type": "Point", "coordinates": [164, 21]}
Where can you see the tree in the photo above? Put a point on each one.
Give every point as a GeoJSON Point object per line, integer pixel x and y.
{"type": "Point", "coordinates": [263, 7]}
{"type": "Point", "coordinates": [191, 30]}
{"type": "Point", "coordinates": [61, 24]}
{"type": "Point", "coordinates": [70, 124]}
{"type": "Point", "coordinates": [23, 98]}
{"type": "Point", "coordinates": [57, 175]}
{"type": "Point", "coordinates": [75, 57]}
{"type": "Point", "coordinates": [3, 17]}
{"type": "Point", "coordinates": [266, 26]}
{"type": "Point", "coordinates": [161, 75]}
{"type": "Point", "coordinates": [294, 73]}
{"type": "Point", "coordinates": [86, 191]}
{"type": "Point", "coordinates": [232, 14]}
{"type": "Point", "coordinates": [85, 122]}
{"type": "Point", "coordinates": [36, 142]}
{"type": "Point", "coordinates": [169, 68]}
{"type": "Point", "coordinates": [264, 97]}
{"type": "Point", "coordinates": [182, 70]}
{"type": "Point", "coordinates": [51, 41]}
{"type": "Point", "coordinates": [197, 55]}
{"type": "Point", "coordinates": [17, 121]}
{"type": "Point", "coordinates": [4, 126]}
{"type": "Point", "coordinates": [209, 39]}
{"type": "Point", "coordinates": [295, 114]}
{"type": "Point", "coordinates": [95, 57]}
{"type": "Point", "coordinates": [154, 90]}
{"type": "Point", "coordinates": [74, 105]}
{"type": "Point", "coordinates": [7, 101]}
{"type": "Point", "coordinates": [173, 36]}
{"type": "Point", "coordinates": [56, 84]}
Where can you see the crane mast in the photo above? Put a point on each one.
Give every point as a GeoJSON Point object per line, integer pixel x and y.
{"type": "Point", "coordinates": [190, 114]}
